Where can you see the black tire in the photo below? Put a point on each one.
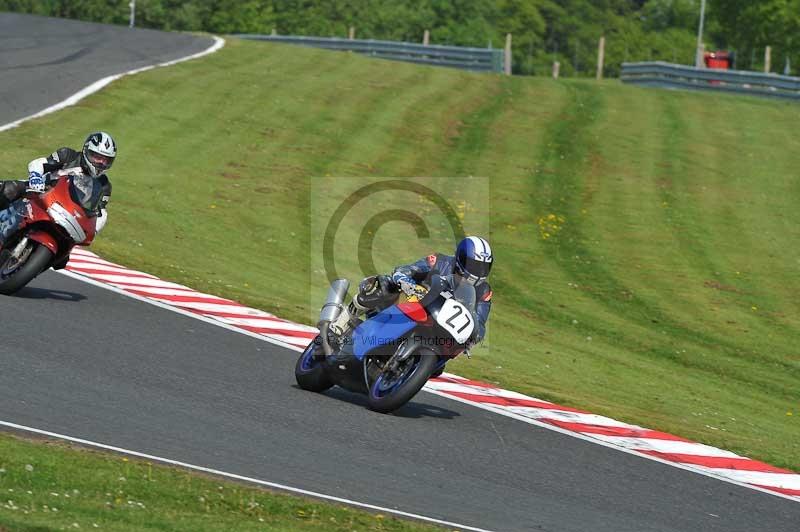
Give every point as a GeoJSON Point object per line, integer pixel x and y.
{"type": "Point", "coordinates": [39, 259]}
{"type": "Point", "coordinates": [426, 362]}
{"type": "Point", "coordinates": [309, 371]}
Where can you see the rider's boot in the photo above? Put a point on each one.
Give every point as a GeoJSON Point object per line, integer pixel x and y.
{"type": "Point", "coordinates": [10, 221]}
{"type": "Point", "coordinates": [374, 294]}
{"type": "Point", "coordinates": [11, 191]}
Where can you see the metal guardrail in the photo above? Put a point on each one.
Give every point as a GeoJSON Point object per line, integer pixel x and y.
{"type": "Point", "coordinates": [667, 75]}
{"type": "Point", "coordinates": [476, 59]}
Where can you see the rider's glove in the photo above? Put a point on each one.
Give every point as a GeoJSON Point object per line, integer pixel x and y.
{"type": "Point", "coordinates": [36, 183]}
{"type": "Point", "coordinates": [406, 284]}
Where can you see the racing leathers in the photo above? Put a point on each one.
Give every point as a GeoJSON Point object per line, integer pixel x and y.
{"type": "Point", "coordinates": [438, 263]}
{"type": "Point", "coordinates": [42, 171]}
{"type": "Point", "coordinates": [380, 291]}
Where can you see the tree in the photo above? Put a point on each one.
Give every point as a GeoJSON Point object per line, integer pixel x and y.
{"type": "Point", "coordinates": [543, 30]}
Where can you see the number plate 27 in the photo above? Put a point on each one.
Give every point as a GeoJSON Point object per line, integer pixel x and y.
{"type": "Point", "coordinates": [456, 319]}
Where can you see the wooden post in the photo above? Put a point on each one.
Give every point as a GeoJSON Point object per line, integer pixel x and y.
{"type": "Point", "coordinates": [426, 38]}
{"type": "Point", "coordinates": [767, 59]}
{"type": "Point", "coordinates": [507, 56]}
{"type": "Point", "coordinates": [274, 31]}
{"type": "Point", "coordinates": [601, 54]}
{"type": "Point", "coordinates": [351, 34]}
{"type": "Point", "coordinates": [556, 69]}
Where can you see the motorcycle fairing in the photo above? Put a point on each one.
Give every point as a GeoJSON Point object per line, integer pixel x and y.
{"type": "Point", "coordinates": [381, 330]}
{"type": "Point", "coordinates": [45, 239]}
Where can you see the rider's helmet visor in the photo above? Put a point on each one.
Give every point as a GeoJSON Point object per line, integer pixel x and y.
{"type": "Point", "coordinates": [474, 271]}
{"type": "Point", "coordinates": [100, 161]}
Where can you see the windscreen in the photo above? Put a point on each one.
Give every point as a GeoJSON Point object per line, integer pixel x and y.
{"type": "Point", "coordinates": [86, 191]}
{"type": "Point", "coordinates": [464, 292]}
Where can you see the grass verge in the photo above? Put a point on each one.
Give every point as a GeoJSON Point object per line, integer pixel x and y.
{"type": "Point", "coordinates": [645, 240]}
{"type": "Point", "coordinates": [52, 486]}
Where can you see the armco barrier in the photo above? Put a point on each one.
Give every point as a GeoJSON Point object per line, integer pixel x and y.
{"type": "Point", "coordinates": [659, 74]}
{"type": "Point", "coordinates": [476, 59]}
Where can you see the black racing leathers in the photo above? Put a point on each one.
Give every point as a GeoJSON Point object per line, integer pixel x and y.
{"type": "Point", "coordinates": [63, 161]}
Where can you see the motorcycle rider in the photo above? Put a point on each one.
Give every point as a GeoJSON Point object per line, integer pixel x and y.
{"type": "Point", "coordinates": [472, 261]}
{"type": "Point", "coordinates": [95, 158]}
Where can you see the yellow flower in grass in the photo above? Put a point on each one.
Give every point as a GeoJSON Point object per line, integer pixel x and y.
{"type": "Point", "coordinates": [550, 225]}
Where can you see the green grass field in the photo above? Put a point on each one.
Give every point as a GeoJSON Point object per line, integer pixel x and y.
{"type": "Point", "coordinates": [54, 487]}
{"type": "Point", "coordinates": [646, 240]}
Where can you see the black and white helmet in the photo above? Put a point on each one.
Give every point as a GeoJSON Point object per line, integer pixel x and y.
{"type": "Point", "coordinates": [98, 153]}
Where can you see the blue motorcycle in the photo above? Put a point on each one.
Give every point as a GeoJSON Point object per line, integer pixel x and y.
{"type": "Point", "coordinates": [391, 354]}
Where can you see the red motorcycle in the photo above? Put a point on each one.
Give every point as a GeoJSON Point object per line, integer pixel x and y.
{"type": "Point", "coordinates": [45, 227]}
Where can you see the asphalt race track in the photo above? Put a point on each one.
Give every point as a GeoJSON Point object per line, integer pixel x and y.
{"type": "Point", "coordinates": [89, 363]}
{"type": "Point", "coordinates": [45, 60]}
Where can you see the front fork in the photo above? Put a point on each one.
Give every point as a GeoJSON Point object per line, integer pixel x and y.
{"type": "Point", "coordinates": [19, 248]}
{"type": "Point", "coordinates": [401, 354]}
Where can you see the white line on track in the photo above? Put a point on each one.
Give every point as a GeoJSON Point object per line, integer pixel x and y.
{"type": "Point", "coordinates": [596, 441]}
{"type": "Point", "coordinates": [180, 311]}
{"type": "Point", "coordinates": [234, 476]}
{"type": "Point", "coordinates": [99, 84]}
{"type": "Point", "coordinates": [592, 439]}
{"type": "Point", "coordinates": [72, 100]}
{"type": "Point", "coordinates": [219, 43]}
{"type": "Point", "coordinates": [686, 467]}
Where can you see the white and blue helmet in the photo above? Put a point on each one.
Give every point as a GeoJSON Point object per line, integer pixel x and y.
{"type": "Point", "coordinates": [474, 259]}
{"type": "Point", "coordinates": [98, 154]}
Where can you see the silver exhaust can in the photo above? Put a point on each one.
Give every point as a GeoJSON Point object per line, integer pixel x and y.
{"type": "Point", "coordinates": [334, 303]}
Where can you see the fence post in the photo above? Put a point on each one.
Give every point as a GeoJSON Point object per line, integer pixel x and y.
{"type": "Point", "coordinates": [556, 69]}
{"type": "Point", "coordinates": [601, 53]}
{"type": "Point", "coordinates": [351, 33]}
{"type": "Point", "coordinates": [507, 64]}
{"type": "Point", "coordinates": [426, 38]}
{"type": "Point", "coordinates": [767, 59]}
{"type": "Point", "coordinates": [274, 32]}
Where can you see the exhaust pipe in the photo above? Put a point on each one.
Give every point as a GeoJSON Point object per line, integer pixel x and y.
{"type": "Point", "coordinates": [333, 307]}
{"type": "Point", "coordinates": [334, 303]}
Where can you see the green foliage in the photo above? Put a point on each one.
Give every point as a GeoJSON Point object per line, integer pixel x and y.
{"type": "Point", "coordinates": [543, 30]}
{"type": "Point", "coordinates": [750, 26]}
{"type": "Point", "coordinates": [665, 14]}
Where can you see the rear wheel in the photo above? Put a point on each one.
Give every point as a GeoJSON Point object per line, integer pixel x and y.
{"type": "Point", "coordinates": [15, 273]}
{"type": "Point", "coordinates": [310, 368]}
{"type": "Point", "coordinates": [391, 390]}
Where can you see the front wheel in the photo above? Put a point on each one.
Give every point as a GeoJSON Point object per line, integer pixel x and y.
{"type": "Point", "coordinates": [16, 273]}
{"type": "Point", "coordinates": [310, 368]}
{"type": "Point", "coordinates": [391, 390]}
